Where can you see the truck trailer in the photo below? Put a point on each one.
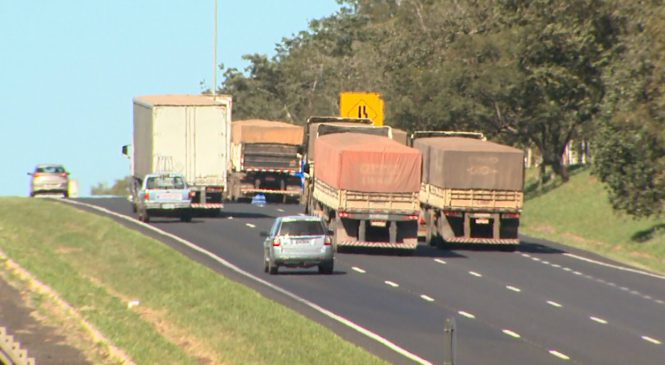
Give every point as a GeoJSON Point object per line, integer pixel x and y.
{"type": "Point", "coordinates": [471, 191]}
{"type": "Point", "coordinates": [265, 159]}
{"type": "Point", "coordinates": [186, 134]}
{"type": "Point", "coordinates": [366, 187]}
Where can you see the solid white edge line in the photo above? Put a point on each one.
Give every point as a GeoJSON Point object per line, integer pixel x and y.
{"type": "Point", "coordinates": [475, 274]}
{"type": "Point", "coordinates": [599, 320]}
{"type": "Point", "coordinates": [554, 304]}
{"type": "Point", "coordinates": [559, 355]}
{"type": "Point", "coordinates": [250, 225]}
{"type": "Point", "coordinates": [357, 269]}
{"type": "Point", "coordinates": [427, 298]}
{"type": "Point", "coordinates": [622, 268]}
{"type": "Point", "coordinates": [466, 314]}
{"type": "Point", "coordinates": [440, 261]}
{"type": "Point", "coordinates": [516, 290]}
{"type": "Point", "coordinates": [511, 333]}
{"type": "Point", "coordinates": [385, 342]}
{"type": "Point", "coordinates": [394, 285]}
{"type": "Point", "coordinates": [652, 340]}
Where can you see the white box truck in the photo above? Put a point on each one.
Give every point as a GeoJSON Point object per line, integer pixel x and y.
{"type": "Point", "coordinates": [186, 134]}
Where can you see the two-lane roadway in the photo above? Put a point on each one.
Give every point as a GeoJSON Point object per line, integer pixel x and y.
{"type": "Point", "coordinates": [544, 304]}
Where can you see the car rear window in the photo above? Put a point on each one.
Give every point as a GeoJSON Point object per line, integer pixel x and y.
{"type": "Point", "coordinates": [165, 182]}
{"type": "Point", "coordinates": [50, 169]}
{"type": "Point", "coordinates": [301, 228]}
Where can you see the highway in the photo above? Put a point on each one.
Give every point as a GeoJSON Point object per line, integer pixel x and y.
{"type": "Point", "coordinates": [544, 304]}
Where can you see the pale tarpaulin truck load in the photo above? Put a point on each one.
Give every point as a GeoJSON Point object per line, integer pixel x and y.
{"type": "Point", "coordinates": [471, 191]}
{"type": "Point", "coordinates": [187, 134]}
{"type": "Point", "coordinates": [365, 186]}
{"type": "Point", "coordinates": [265, 159]}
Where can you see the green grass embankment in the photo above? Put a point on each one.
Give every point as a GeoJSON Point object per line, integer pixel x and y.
{"type": "Point", "coordinates": [187, 313]}
{"type": "Point", "coordinates": [579, 214]}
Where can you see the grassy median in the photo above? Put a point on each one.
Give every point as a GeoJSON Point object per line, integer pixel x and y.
{"type": "Point", "coordinates": [579, 214]}
{"type": "Point", "coordinates": [187, 314]}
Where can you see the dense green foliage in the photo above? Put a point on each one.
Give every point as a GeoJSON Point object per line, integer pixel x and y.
{"type": "Point", "coordinates": [119, 188]}
{"type": "Point", "coordinates": [536, 73]}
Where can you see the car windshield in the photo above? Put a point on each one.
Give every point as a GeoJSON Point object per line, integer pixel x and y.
{"type": "Point", "coordinates": [301, 228]}
{"type": "Point", "coordinates": [165, 182]}
{"type": "Point", "coordinates": [50, 169]}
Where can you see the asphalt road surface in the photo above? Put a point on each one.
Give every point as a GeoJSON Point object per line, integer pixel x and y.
{"type": "Point", "coordinates": [544, 304]}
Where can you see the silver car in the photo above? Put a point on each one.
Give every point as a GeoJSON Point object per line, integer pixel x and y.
{"type": "Point", "coordinates": [298, 241]}
{"type": "Point", "coordinates": [164, 195]}
{"type": "Point", "coordinates": [49, 179]}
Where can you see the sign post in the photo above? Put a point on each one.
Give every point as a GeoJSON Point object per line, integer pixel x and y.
{"type": "Point", "coordinates": [362, 105]}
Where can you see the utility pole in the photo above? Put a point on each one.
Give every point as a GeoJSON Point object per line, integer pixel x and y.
{"type": "Point", "coordinates": [214, 55]}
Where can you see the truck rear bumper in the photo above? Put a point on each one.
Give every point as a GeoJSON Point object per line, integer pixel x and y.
{"type": "Point", "coordinates": [400, 246]}
{"type": "Point", "coordinates": [484, 241]}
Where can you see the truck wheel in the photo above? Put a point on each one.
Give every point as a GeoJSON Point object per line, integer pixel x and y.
{"type": "Point", "coordinates": [186, 218]}
{"type": "Point", "coordinates": [282, 187]}
{"type": "Point", "coordinates": [265, 264]}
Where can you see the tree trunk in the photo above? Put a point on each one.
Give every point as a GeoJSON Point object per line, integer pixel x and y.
{"type": "Point", "coordinates": [560, 169]}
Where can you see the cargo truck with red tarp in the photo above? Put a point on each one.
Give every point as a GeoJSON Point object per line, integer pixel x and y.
{"type": "Point", "coordinates": [471, 191]}
{"type": "Point", "coordinates": [265, 159]}
{"type": "Point", "coordinates": [366, 186]}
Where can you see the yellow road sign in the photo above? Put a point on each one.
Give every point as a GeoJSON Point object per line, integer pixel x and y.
{"type": "Point", "coordinates": [361, 105]}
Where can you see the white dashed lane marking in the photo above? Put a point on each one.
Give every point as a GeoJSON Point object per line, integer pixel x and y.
{"type": "Point", "coordinates": [652, 340]}
{"type": "Point", "coordinates": [466, 314]}
{"type": "Point", "coordinates": [559, 355]}
{"type": "Point", "coordinates": [440, 261]}
{"type": "Point", "coordinates": [425, 297]}
{"type": "Point", "coordinates": [554, 304]}
{"type": "Point", "coordinates": [390, 283]}
{"type": "Point", "coordinates": [475, 274]}
{"type": "Point", "coordinates": [250, 225]}
{"type": "Point", "coordinates": [229, 217]}
{"type": "Point", "coordinates": [598, 320]}
{"type": "Point", "coordinates": [516, 290]}
{"type": "Point", "coordinates": [280, 210]}
{"type": "Point", "coordinates": [511, 333]}
{"type": "Point", "coordinates": [601, 281]}
{"type": "Point", "coordinates": [357, 269]}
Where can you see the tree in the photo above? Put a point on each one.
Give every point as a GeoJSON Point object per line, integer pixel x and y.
{"type": "Point", "coordinates": [119, 188]}
{"type": "Point", "coordinates": [630, 145]}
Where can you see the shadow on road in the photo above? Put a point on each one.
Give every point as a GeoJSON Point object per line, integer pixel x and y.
{"type": "Point", "coordinates": [295, 272]}
{"type": "Point", "coordinates": [532, 247]}
{"type": "Point", "coordinates": [421, 251]}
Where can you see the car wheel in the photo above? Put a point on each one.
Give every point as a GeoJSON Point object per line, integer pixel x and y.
{"type": "Point", "coordinates": [272, 268]}
{"type": "Point", "coordinates": [326, 268]}
{"type": "Point", "coordinates": [65, 195]}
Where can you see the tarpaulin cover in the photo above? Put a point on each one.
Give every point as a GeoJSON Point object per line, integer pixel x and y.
{"type": "Point", "coordinates": [466, 163]}
{"type": "Point", "coordinates": [400, 136]}
{"type": "Point", "coordinates": [367, 163]}
{"type": "Point", "coordinates": [322, 129]}
{"type": "Point", "coordinates": [266, 131]}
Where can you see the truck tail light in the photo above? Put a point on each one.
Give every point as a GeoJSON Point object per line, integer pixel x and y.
{"type": "Point", "coordinates": [192, 194]}
{"type": "Point", "coordinates": [413, 217]}
{"type": "Point", "coordinates": [276, 242]}
{"type": "Point", "coordinates": [510, 215]}
{"type": "Point", "coordinates": [327, 241]}
{"type": "Point", "coordinates": [343, 214]}
{"type": "Point", "coordinates": [450, 213]}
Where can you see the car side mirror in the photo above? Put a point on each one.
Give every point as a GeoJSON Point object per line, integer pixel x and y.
{"type": "Point", "coordinates": [263, 234]}
{"type": "Point", "coordinates": [305, 168]}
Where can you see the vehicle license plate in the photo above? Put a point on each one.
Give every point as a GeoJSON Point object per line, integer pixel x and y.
{"type": "Point", "coordinates": [168, 196]}
{"type": "Point", "coordinates": [377, 223]}
{"type": "Point", "coordinates": [378, 217]}
{"type": "Point", "coordinates": [482, 221]}
{"type": "Point", "coordinates": [301, 242]}
{"type": "Point", "coordinates": [168, 206]}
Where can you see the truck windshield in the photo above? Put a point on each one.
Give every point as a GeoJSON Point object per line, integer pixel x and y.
{"type": "Point", "coordinates": [165, 182]}
{"type": "Point", "coordinates": [301, 228]}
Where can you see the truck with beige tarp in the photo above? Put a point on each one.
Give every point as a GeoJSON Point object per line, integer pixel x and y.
{"type": "Point", "coordinates": [471, 191]}
{"type": "Point", "coordinates": [364, 184]}
{"type": "Point", "coordinates": [265, 159]}
{"type": "Point", "coordinates": [185, 134]}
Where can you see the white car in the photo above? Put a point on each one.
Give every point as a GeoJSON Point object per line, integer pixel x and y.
{"type": "Point", "coordinates": [164, 195]}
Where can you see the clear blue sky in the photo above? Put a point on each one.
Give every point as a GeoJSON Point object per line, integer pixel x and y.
{"type": "Point", "coordinates": [69, 70]}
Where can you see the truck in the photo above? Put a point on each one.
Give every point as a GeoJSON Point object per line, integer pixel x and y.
{"type": "Point", "coordinates": [363, 184]}
{"type": "Point", "coordinates": [185, 134]}
{"type": "Point", "coordinates": [265, 159]}
{"type": "Point", "coordinates": [471, 190]}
